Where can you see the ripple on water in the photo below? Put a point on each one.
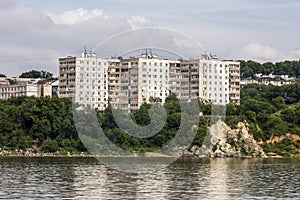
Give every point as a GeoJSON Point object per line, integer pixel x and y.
{"type": "Point", "coordinates": [86, 178]}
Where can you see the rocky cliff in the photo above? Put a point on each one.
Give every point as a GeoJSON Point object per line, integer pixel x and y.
{"type": "Point", "coordinates": [222, 141]}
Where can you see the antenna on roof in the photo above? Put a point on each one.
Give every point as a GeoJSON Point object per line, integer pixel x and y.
{"type": "Point", "coordinates": [85, 49]}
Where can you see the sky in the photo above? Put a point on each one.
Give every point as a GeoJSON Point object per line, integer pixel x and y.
{"type": "Point", "coordinates": [35, 33]}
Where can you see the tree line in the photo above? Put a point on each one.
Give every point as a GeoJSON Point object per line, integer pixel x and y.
{"type": "Point", "coordinates": [250, 68]}
{"type": "Point", "coordinates": [47, 124]}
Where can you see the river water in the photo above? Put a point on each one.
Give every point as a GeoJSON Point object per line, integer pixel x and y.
{"type": "Point", "coordinates": [87, 178]}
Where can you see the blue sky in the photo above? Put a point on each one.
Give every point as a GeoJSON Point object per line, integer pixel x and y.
{"type": "Point", "coordinates": [34, 32]}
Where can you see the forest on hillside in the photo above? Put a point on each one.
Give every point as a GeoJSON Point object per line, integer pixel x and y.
{"type": "Point", "coordinates": [250, 68]}
{"type": "Point", "coordinates": [46, 124]}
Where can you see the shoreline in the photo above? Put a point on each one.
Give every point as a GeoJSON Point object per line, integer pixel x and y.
{"type": "Point", "coordinates": [146, 155]}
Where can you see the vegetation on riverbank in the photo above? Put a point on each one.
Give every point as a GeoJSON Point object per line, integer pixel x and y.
{"type": "Point", "coordinates": [46, 124]}
{"type": "Point", "coordinates": [270, 111]}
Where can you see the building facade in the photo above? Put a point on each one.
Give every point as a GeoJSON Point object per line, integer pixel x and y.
{"type": "Point", "coordinates": [135, 81]}
{"type": "Point", "coordinates": [91, 80]}
{"type": "Point", "coordinates": [127, 83]}
{"type": "Point", "coordinates": [67, 76]}
{"type": "Point", "coordinates": [8, 91]}
{"type": "Point", "coordinates": [17, 87]}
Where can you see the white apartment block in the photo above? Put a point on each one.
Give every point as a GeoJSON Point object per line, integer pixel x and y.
{"type": "Point", "coordinates": [91, 86]}
{"type": "Point", "coordinates": [219, 80]}
{"type": "Point", "coordinates": [128, 83]}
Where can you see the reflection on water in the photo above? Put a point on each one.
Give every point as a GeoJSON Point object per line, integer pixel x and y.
{"type": "Point", "coordinates": [86, 178]}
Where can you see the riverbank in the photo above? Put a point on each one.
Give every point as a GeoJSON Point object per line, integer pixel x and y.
{"type": "Point", "coordinates": [21, 153]}
{"type": "Point", "coordinates": [147, 155]}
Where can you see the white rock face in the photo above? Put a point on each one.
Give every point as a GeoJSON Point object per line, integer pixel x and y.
{"type": "Point", "coordinates": [223, 141]}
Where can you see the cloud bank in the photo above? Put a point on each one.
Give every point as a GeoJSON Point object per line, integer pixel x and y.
{"type": "Point", "coordinates": [264, 53]}
{"type": "Point", "coordinates": [31, 39]}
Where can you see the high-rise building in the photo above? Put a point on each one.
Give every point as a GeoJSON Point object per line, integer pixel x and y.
{"type": "Point", "coordinates": [134, 81]}
{"type": "Point", "coordinates": [188, 74]}
{"type": "Point", "coordinates": [127, 83]}
{"type": "Point", "coordinates": [219, 80]}
{"type": "Point", "coordinates": [67, 76]}
{"type": "Point", "coordinates": [92, 81]}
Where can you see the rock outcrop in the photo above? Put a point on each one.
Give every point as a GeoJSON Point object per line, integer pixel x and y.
{"type": "Point", "coordinates": [222, 141]}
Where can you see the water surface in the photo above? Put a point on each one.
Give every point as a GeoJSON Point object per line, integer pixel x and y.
{"type": "Point", "coordinates": [87, 178]}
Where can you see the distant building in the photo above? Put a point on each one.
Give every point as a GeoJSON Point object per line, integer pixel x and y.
{"type": "Point", "coordinates": [44, 88]}
{"type": "Point", "coordinates": [4, 81]}
{"type": "Point", "coordinates": [25, 87]}
{"type": "Point", "coordinates": [8, 91]}
{"type": "Point", "coordinates": [276, 80]}
{"type": "Point", "coordinates": [55, 88]}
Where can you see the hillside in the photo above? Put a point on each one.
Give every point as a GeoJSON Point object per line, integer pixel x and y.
{"type": "Point", "coordinates": [46, 124]}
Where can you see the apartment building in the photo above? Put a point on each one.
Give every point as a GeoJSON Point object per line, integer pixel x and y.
{"type": "Point", "coordinates": [219, 80]}
{"type": "Point", "coordinates": [67, 76]}
{"type": "Point", "coordinates": [127, 83]}
{"type": "Point", "coordinates": [234, 82]}
{"type": "Point", "coordinates": [134, 81]}
{"type": "Point", "coordinates": [186, 75]}
{"type": "Point", "coordinates": [91, 80]}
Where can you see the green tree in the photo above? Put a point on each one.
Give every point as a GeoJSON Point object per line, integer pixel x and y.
{"type": "Point", "coordinates": [50, 145]}
{"type": "Point", "coordinates": [37, 74]}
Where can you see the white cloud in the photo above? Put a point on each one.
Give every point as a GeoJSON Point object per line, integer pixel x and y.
{"type": "Point", "coordinates": [138, 21]}
{"type": "Point", "coordinates": [76, 16]}
{"type": "Point", "coordinates": [264, 53]}
{"type": "Point", "coordinates": [297, 53]}
{"type": "Point", "coordinates": [260, 52]}
{"type": "Point", "coordinates": [33, 39]}
{"type": "Point", "coordinates": [28, 36]}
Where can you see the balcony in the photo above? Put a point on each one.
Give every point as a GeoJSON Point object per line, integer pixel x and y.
{"type": "Point", "coordinates": [234, 98]}
{"type": "Point", "coordinates": [113, 78]}
{"type": "Point", "coordinates": [235, 80]}
{"type": "Point", "coordinates": [234, 86]}
{"type": "Point", "coordinates": [194, 73]}
{"type": "Point", "coordinates": [234, 74]}
{"type": "Point", "coordinates": [234, 92]}
{"type": "Point", "coordinates": [114, 72]}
